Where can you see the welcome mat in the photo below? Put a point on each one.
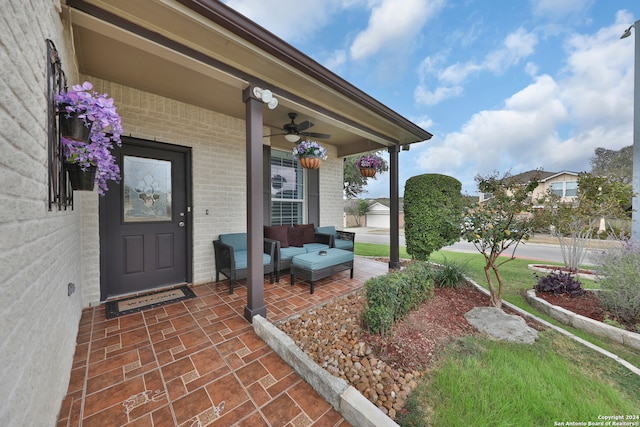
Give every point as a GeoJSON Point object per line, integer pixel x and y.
{"type": "Point", "coordinates": [147, 301]}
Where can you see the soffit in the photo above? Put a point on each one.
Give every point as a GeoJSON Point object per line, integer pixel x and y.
{"type": "Point", "coordinates": [163, 47]}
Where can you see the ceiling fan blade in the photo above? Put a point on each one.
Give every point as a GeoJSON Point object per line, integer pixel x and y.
{"type": "Point", "coordinates": [304, 125]}
{"type": "Point", "coordinates": [275, 134]}
{"type": "Point", "coordinates": [316, 135]}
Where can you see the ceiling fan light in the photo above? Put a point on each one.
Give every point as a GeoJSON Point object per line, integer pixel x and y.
{"type": "Point", "coordinates": [292, 137]}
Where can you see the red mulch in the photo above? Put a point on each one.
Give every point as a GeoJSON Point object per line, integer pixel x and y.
{"type": "Point", "coordinates": [586, 305]}
{"type": "Point", "coordinates": [416, 339]}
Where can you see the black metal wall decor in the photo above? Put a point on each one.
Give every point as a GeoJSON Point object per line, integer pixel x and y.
{"type": "Point", "coordinates": [60, 192]}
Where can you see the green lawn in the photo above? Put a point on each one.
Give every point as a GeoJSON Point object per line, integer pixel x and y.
{"type": "Point", "coordinates": [481, 382]}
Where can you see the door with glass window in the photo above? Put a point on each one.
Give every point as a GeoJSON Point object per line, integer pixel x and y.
{"type": "Point", "coordinates": [145, 220]}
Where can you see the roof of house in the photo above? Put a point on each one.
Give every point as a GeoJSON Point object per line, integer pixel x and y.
{"type": "Point", "coordinates": [540, 174]}
{"type": "Point", "coordinates": [206, 54]}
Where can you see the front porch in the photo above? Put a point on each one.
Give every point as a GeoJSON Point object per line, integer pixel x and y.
{"type": "Point", "coordinates": [198, 362]}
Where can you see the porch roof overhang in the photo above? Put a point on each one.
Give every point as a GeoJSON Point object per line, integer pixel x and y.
{"type": "Point", "coordinates": [203, 53]}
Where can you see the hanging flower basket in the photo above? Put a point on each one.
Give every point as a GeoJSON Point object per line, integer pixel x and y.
{"type": "Point", "coordinates": [73, 127]}
{"type": "Point", "coordinates": [310, 154]}
{"type": "Point", "coordinates": [370, 164]}
{"type": "Point", "coordinates": [310, 162]}
{"type": "Point", "coordinates": [85, 110]}
{"type": "Point", "coordinates": [368, 172]}
{"type": "Point", "coordinates": [81, 180]}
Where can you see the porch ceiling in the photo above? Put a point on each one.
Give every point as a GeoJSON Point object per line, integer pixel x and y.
{"type": "Point", "coordinates": [205, 54]}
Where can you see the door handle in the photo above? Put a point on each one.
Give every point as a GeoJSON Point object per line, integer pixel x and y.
{"type": "Point", "coordinates": [181, 224]}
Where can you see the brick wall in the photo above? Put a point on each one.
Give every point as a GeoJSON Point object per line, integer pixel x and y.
{"type": "Point", "coordinates": [219, 174]}
{"type": "Point", "coordinates": [40, 251]}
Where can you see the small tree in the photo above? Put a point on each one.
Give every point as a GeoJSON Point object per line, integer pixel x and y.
{"type": "Point", "coordinates": [615, 165]}
{"type": "Point", "coordinates": [358, 210]}
{"type": "Point", "coordinates": [432, 213]}
{"type": "Point", "coordinates": [499, 223]}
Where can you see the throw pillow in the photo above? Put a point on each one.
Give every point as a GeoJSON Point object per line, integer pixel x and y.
{"type": "Point", "coordinates": [309, 233]}
{"type": "Point", "coordinates": [295, 236]}
{"type": "Point", "coordinates": [277, 232]}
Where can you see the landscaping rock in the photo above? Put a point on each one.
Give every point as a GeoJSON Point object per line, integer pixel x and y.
{"type": "Point", "coordinates": [500, 325]}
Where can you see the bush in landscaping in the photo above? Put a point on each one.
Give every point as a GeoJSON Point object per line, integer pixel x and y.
{"type": "Point", "coordinates": [559, 283]}
{"type": "Point", "coordinates": [449, 274]}
{"type": "Point", "coordinates": [618, 270]}
{"type": "Point", "coordinates": [392, 296]}
{"type": "Point", "coordinates": [432, 213]}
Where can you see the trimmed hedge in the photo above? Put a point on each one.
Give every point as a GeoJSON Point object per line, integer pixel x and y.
{"type": "Point", "coordinates": [432, 213]}
{"type": "Point", "coordinates": [392, 296]}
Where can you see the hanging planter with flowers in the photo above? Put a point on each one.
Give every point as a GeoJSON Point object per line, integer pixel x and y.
{"type": "Point", "coordinates": [310, 154]}
{"type": "Point", "coordinates": [84, 155]}
{"type": "Point", "coordinates": [370, 164]}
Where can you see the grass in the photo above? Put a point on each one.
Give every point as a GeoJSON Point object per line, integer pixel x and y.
{"type": "Point", "coordinates": [481, 382]}
{"type": "Point", "coordinates": [489, 383]}
{"type": "Point", "coordinates": [374, 249]}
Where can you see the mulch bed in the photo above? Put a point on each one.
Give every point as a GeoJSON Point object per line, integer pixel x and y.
{"type": "Point", "coordinates": [587, 305]}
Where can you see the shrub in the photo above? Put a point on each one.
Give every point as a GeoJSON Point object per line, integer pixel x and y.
{"type": "Point", "coordinates": [618, 270]}
{"type": "Point", "coordinates": [432, 213]}
{"type": "Point", "coordinates": [559, 283]}
{"type": "Point", "coordinates": [392, 296]}
{"type": "Point", "coordinates": [449, 274]}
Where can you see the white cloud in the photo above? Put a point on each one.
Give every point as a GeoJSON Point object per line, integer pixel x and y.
{"type": "Point", "coordinates": [423, 96]}
{"type": "Point", "coordinates": [393, 23]}
{"type": "Point", "coordinates": [558, 9]}
{"type": "Point", "coordinates": [290, 19]}
{"type": "Point", "coordinates": [515, 47]}
{"type": "Point", "coordinates": [518, 45]}
{"type": "Point", "coordinates": [555, 122]}
{"type": "Point", "coordinates": [335, 60]}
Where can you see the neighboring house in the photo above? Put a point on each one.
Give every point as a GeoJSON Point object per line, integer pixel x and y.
{"type": "Point", "coordinates": [563, 184]}
{"type": "Point", "coordinates": [379, 216]}
{"type": "Point", "coordinates": [188, 78]}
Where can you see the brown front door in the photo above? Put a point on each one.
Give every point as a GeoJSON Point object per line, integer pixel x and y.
{"type": "Point", "coordinates": [145, 220]}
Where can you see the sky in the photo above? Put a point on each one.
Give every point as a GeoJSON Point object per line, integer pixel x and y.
{"type": "Point", "coordinates": [503, 85]}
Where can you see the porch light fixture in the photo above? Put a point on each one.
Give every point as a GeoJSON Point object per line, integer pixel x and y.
{"type": "Point", "coordinates": [266, 96]}
{"type": "Point", "coordinates": [292, 137]}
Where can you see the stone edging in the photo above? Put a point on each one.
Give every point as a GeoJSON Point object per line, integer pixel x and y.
{"type": "Point", "coordinates": [562, 315]}
{"type": "Point", "coordinates": [345, 399]}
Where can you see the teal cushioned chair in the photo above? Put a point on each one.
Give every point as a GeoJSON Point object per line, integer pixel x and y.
{"type": "Point", "coordinates": [231, 257]}
{"type": "Point", "coordinates": [339, 239]}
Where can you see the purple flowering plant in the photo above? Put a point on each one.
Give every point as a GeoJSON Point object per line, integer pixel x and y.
{"type": "Point", "coordinates": [98, 112]}
{"type": "Point", "coordinates": [370, 161]}
{"type": "Point", "coordinates": [309, 148]}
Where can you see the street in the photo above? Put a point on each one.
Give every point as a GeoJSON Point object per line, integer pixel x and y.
{"type": "Point", "coordinates": [527, 250]}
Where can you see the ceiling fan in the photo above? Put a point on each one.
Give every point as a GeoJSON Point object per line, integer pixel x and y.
{"type": "Point", "coordinates": [293, 130]}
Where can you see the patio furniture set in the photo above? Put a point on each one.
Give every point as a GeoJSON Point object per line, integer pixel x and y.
{"type": "Point", "coordinates": [308, 252]}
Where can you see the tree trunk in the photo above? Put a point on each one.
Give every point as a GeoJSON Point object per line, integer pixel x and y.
{"type": "Point", "coordinates": [492, 290]}
{"type": "Point", "coordinates": [496, 300]}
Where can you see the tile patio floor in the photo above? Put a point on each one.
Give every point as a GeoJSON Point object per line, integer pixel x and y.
{"type": "Point", "coordinates": [198, 362]}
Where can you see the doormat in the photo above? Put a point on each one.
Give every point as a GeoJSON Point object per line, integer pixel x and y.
{"type": "Point", "coordinates": [151, 300]}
